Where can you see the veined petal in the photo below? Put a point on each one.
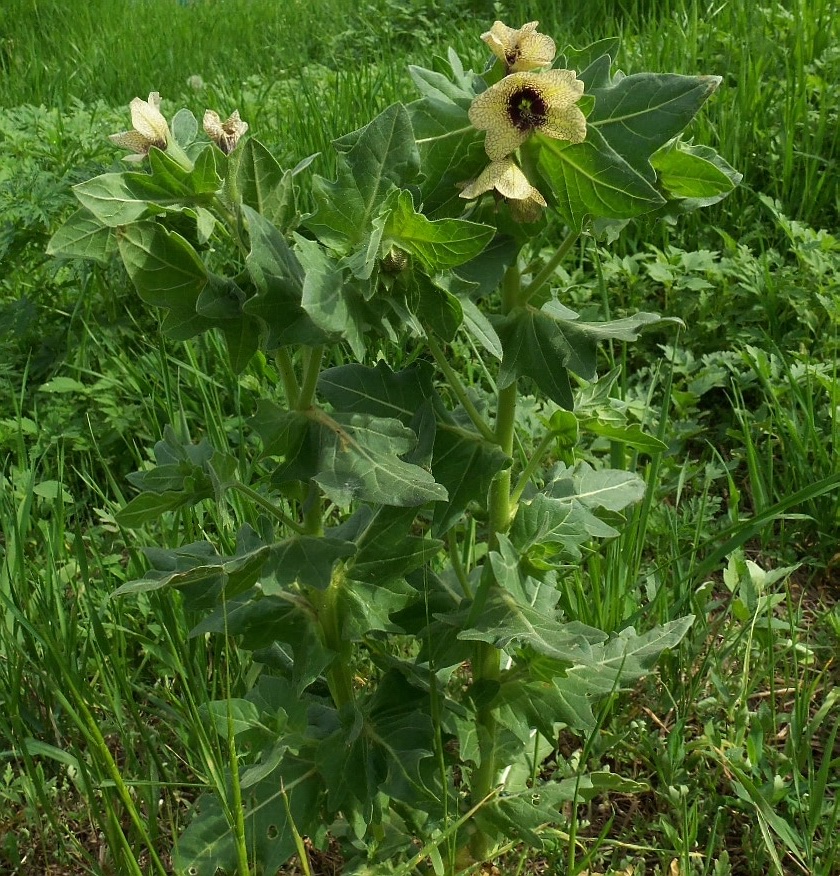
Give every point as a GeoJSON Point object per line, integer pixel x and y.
{"type": "Point", "coordinates": [565, 123]}
{"type": "Point", "coordinates": [520, 50]}
{"type": "Point", "coordinates": [561, 87]}
{"type": "Point", "coordinates": [149, 121]}
{"type": "Point", "coordinates": [511, 182]}
{"type": "Point", "coordinates": [132, 140]}
{"type": "Point", "coordinates": [225, 134]}
{"type": "Point", "coordinates": [212, 125]}
{"type": "Point", "coordinates": [503, 140]}
{"type": "Point", "coordinates": [528, 209]}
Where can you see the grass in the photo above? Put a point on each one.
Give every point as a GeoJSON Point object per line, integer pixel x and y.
{"type": "Point", "coordinates": [103, 744]}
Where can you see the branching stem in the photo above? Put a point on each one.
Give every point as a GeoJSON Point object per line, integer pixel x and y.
{"type": "Point", "coordinates": [547, 271]}
{"type": "Point", "coordinates": [460, 392]}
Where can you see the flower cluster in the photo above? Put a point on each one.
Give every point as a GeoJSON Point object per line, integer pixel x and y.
{"type": "Point", "coordinates": [152, 130]}
{"type": "Point", "coordinates": [521, 103]}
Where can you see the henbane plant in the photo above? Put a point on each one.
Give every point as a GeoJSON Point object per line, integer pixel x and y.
{"type": "Point", "coordinates": [399, 568]}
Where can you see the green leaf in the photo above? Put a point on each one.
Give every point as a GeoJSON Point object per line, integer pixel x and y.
{"type": "Point", "coordinates": [556, 524]}
{"type": "Point", "coordinates": [288, 435]}
{"type": "Point", "coordinates": [208, 844]}
{"type": "Point", "coordinates": [627, 656]}
{"type": "Point", "coordinates": [465, 464]}
{"type": "Point", "coordinates": [149, 506]}
{"type": "Point", "coordinates": [543, 704]}
{"type": "Point", "coordinates": [637, 114]}
{"type": "Point", "coordinates": [438, 310]}
{"type": "Point", "coordinates": [281, 626]}
{"type": "Point", "coordinates": [236, 715]}
{"type": "Point", "coordinates": [696, 175]}
{"type": "Point", "coordinates": [632, 435]}
{"type": "Point", "coordinates": [351, 455]}
{"type": "Point", "coordinates": [451, 152]}
{"type": "Point", "coordinates": [592, 180]}
{"type": "Point", "coordinates": [545, 344]}
{"type": "Point", "coordinates": [596, 488]}
{"type": "Point", "coordinates": [184, 127]}
{"type": "Point", "coordinates": [360, 460]}
{"type": "Point", "coordinates": [439, 88]}
{"type": "Point", "coordinates": [254, 177]}
{"type": "Point", "coordinates": [438, 244]}
{"type": "Point", "coordinates": [326, 298]}
{"type": "Point", "coordinates": [307, 560]}
{"type": "Point", "coordinates": [386, 549]}
{"type": "Point", "coordinates": [122, 198]}
{"type": "Point", "coordinates": [522, 610]}
{"type": "Point", "coordinates": [591, 61]}
{"type": "Point", "coordinates": [383, 156]}
{"type": "Point", "coordinates": [480, 328]}
{"type": "Point", "coordinates": [167, 272]}
{"type": "Point", "coordinates": [279, 278]}
{"type": "Point", "coordinates": [187, 185]}
{"type": "Point", "coordinates": [378, 391]}
{"type": "Point", "coordinates": [83, 236]}
{"type": "Point", "coordinates": [231, 575]}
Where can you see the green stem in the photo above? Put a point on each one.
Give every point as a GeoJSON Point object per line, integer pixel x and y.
{"type": "Point", "coordinates": [549, 267]}
{"type": "Point", "coordinates": [486, 663]}
{"type": "Point", "coordinates": [457, 565]}
{"type": "Point", "coordinates": [313, 521]}
{"type": "Point", "coordinates": [311, 372]}
{"type": "Point", "coordinates": [266, 505]}
{"type": "Point", "coordinates": [460, 392]}
{"type": "Point", "coordinates": [339, 674]}
{"type": "Point", "coordinates": [533, 465]}
{"type": "Point", "coordinates": [287, 375]}
{"type": "Point", "coordinates": [236, 808]}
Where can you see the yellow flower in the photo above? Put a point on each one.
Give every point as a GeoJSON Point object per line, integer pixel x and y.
{"type": "Point", "coordinates": [510, 182]}
{"type": "Point", "coordinates": [524, 102]}
{"type": "Point", "coordinates": [150, 128]}
{"type": "Point", "coordinates": [224, 134]}
{"type": "Point", "coordinates": [522, 49]}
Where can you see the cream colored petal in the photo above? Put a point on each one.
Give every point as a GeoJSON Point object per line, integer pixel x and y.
{"type": "Point", "coordinates": [565, 123]}
{"type": "Point", "coordinates": [510, 181]}
{"type": "Point", "coordinates": [484, 182]}
{"type": "Point", "coordinates": [489, 112]}
{"type": "Point", "coordinates": [488, 179]}
{"type": "Point", "coordinates": [487, 108]}
{"type": "Point", "coordinates": [535, 50]}
{"type": "Point", "coordinates": [148, 120]}
{"type": "Point", "coordinates": [132, 140]}
{"type": "Point", "coordinates": [501, 39]}
{"type": "Point", "coordinates": [560, 87]}
{"type": "Point", "coordinates": [503, 140]}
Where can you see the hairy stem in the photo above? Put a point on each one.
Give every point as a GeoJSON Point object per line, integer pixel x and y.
{"type": "Point", "coordinates": [339, 674]}
{"type": "Point", "coordinates": [486, 663]}
{"type": "Point", "coordinates": [287, 376]}
{"type": "Point", "coordinates": [311, 372]}
{"type": "Point", "coordinates": [547, 270]}
{"type": "Point", "coordinates": [460, 392]}
{"type": "Point", "coordinates": [267, 505]}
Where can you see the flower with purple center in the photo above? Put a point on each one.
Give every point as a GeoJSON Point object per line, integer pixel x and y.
{"type": "Point", "coordinates": [521, 103]}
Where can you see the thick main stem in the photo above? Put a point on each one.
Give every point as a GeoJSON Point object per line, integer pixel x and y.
{"type": "Point", "coordinates": [486, 664]}
{"type": "Point", "coordinates": [339, 674]}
